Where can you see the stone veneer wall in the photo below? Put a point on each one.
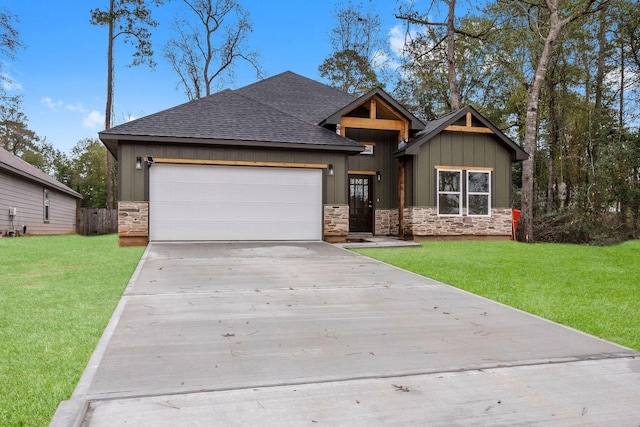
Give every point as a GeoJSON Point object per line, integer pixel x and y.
{"type": "Point", "coordinates": [133, 223]}
{"type": "Point", "coordinates": [386, 222]}
{"type": "Point", "coordinates": [420, 221]}
{"type": "Point", "coordinates": [336, 223]}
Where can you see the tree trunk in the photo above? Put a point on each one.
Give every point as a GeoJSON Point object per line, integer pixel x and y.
{"type": "Point", "coordinates": [451, 56]}
{"type": "Point", "coordinates": [109, 106]}
{"type": "Point", "coordinates": [602, 46]}
{"type": "Point", "coordinates": [531, 123]}
{"type": "Point", "coordinates": [622, 83]}
{"type": "Point", "coordinates": [554, 122]}
{"type": "Point", "coordinates": [594, 199]}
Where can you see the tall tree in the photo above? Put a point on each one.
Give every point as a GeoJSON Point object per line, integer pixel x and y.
{"type": "Point", "coordinates": [358, 49]}
{"type": "Point", "coordinates": [15, 135]}
{"type": "Point", "coordinates": [548, 20]}
{"type": "Point", "coordinates": [425, 85]}
{"type": "Point", "coordinates": [130, 19]}
{"type": "Point", "coordinates": [209, 45]}
{"type": "Point", "coordinates": [449, 39]}
{"type": "Point", "coordinates": [87, 172]}
{"type": "Point", "coordinates": [10, 43]}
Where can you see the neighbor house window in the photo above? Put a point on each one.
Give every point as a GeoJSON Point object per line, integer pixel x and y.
{"type": "Point", "coordinates": [45, 212]}
{"type": "Point", "coordinates": [449, 192]}
{"type": "Point", "coordinates": [478, 193]}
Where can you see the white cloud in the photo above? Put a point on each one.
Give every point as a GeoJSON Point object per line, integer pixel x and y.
{"type": "Point", "coordinates": [77, 107]}
{"type": "Point", "coordinates": [631, 78]}
{"type": "Point", "coordinates": [94, 120]}
{"type": "Point", "coordinates": [8, 83]}
{"type": "Point", "coordinates": [57, 105]}
{"type": "Point", "coordinates": [399, 37]}
{"type": "Point", "coordinates": [54, 105]}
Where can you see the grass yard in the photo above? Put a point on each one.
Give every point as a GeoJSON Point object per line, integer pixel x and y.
{"type": "Point", "coordinates": [591, 288]}
{"type": "Point", "coordinates": [57, 294]}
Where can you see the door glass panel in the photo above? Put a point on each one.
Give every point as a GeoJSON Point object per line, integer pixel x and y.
{"type": "Point", "coordinates": [360, 206]}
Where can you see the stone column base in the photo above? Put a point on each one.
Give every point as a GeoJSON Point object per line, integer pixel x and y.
{"type": "Point", "coordinates": [133, 223]}
{"type": "Point", "coordinates": [386, 222]}
{"type": "Point", "coordinates": [133, 241]}
{"type": "Point", "coordinates": [336, 223]}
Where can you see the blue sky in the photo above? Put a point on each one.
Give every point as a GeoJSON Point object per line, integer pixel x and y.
{"type": "Point", "coordinates": [62, 72]}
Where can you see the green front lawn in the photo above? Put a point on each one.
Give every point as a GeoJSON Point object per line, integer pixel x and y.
{"type": "Point", "coordinates": [591, 288]}
{"type": "Point", "coordinates": [57, 294]}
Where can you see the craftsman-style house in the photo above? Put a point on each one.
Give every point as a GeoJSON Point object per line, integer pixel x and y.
{"type": "Point", "coordinates": [289, 158]}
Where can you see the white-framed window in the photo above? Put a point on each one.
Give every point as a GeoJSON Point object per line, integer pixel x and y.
{"type": "Point", "coordinates": [368, 149]}
{"type": "Point", "coordinates": [478, 193]}
{"type": "Point", "coordinates": [449, 198]}
{"type": "Point", "coordinates": [45, 207]}
{"type": "Point", "coordinates": [463, 188]}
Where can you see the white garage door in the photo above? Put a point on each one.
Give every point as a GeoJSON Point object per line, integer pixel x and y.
{"type": "Point", "coordinates": [202, 202]}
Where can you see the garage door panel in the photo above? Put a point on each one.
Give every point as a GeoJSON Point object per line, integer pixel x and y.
{"type": "Point", "coordinates": [197, 202]}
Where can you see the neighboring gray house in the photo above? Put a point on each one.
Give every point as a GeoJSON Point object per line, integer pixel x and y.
{"type": "Point", "coordinates": [33, 201]}
{"type": "Point", "coordinates": [289, 158]}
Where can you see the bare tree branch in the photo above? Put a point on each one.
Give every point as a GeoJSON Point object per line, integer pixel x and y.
{"type": "Point", "coordinates": [208, 46]}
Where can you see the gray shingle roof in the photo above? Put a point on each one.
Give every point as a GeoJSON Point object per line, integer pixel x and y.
{"type": "Point", "coordinates": [298, 96]}
{"type": "Point", "coordinates": [17, 166]}
{"type": "Point", "coordinates": [281, 109]}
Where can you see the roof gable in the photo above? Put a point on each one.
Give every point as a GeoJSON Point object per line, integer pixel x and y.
{"type": "Point", "coordinates": [17, 166]}
{"type": "Point", "coordinates": [466, 120]}
{"type": "Point", "coordinates": [336, 116]}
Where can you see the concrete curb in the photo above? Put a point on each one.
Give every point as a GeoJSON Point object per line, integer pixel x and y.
{"type": "Point", "coordinates": [71, 413]}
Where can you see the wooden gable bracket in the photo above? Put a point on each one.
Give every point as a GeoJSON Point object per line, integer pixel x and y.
{"type": "Point", "coordinates": [468, 127]}
{"type": "Point", "coordinates": [372, 122]}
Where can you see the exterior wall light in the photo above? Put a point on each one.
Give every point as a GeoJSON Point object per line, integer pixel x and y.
{"type": "Point", "coordinates": [138, 163]}
{"type": "Point", "coordinates": [330, 168]}
{"type": "Point", "coordinates": [378, 175]}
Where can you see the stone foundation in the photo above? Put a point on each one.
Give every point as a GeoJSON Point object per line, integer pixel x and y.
{"type": "Point", "coordinates": [424, 221]}
{"type": "Point", "coordinates": [336, 223]}
{"type": "Point", "coordinates": [386, 222]}
{"type": "Point", "coordinates": [133, 223]}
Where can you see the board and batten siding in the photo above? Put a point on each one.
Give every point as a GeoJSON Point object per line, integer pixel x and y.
{"type": "Point", "coordinates": [28, 199]}
{"type": "Point", "coordinates": [382, 160]}
{"type": "Point", "coordinates": [134, 184]}
{"type": "Point", "coordinates": [469, 150]}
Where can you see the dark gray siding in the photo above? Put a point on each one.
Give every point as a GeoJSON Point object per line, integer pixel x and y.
{"type": "Point", "coordinates": [409, 181]}
{"type": "Point", "coordinates": [466, 150]}
{"type": "Point", "coordinates": [28, 198]}
{"type": "Point", "coordinates": [386, 143]}
{"type": "Point", "coordinates": [133, 184]}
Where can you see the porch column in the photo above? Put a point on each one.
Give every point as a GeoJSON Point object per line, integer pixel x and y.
{"type": "Point", "coordinates": [401, 179]}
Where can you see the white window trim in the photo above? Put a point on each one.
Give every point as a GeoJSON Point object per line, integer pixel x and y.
{"type": "Point", "coordinates": [488, 194]}
{"type": "Point", "coordinates": [368, 149]}
{"type": "Point", "coordinates": [438, 192]}
{"type": "Point", "coordinates": [46, 206]}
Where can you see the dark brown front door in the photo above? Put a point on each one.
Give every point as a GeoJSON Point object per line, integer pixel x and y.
{"type": "Point", "coordinates": [360, 203]}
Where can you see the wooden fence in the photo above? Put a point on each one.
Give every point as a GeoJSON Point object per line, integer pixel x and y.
{"type": "Point", "coordinates": [91, 222]}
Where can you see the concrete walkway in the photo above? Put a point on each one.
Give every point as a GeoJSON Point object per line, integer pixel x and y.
{"type": "Point", "coordinates": [303, 334]}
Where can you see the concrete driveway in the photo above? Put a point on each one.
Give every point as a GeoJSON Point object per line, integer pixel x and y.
{"type": "Point", "coordinates": [308, 333]}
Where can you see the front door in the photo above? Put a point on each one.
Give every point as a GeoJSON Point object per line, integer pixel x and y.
{"type": "Point", "coordinates": [360, 203]}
